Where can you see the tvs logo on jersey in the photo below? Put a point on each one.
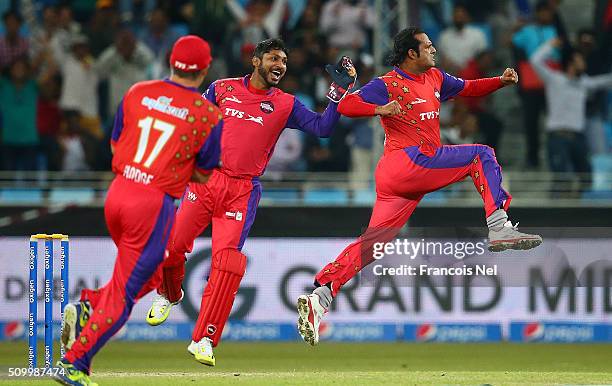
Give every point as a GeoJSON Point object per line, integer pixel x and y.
{"type": "Point", "coordinates": [267, 107]}
{"type": "Point", "coordinates": [437, 94]}
{"type": "Point", "coordinates": [430, 115]}
{"type": "Point", "coordinates": [229, 112]}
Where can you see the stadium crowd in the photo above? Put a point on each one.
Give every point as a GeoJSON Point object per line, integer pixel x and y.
{"type": "Point", "coordinates": [66, 64]}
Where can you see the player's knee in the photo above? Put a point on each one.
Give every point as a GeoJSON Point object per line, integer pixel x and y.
{"type": "Point", "coordinates": [230, 260]}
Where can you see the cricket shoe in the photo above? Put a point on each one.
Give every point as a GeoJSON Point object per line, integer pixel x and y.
{"type": "Point", "coordinates": [508, 237]}
{"type": "Point", "coordinates": [74, 318]}
{"type": "Point", "coordinates": [160, 309]}
{"type": "Point", "coordinates": [203, 351]}
{"type": "Point", "coordinates": [67, 374]}
{"type": "Point", "coordinates": [191, 349]}
{"type": "Point", "coordinates": [310, 313]}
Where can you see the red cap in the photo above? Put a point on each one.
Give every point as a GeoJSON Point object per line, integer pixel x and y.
{"type": "Point", "coordinates": [190, 53]}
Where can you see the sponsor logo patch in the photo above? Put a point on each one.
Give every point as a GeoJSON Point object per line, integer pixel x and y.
{"type": "Point", "coordinates": [267, 107]}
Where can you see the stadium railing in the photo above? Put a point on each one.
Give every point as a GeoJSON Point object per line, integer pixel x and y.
{"type": "Point", "coordinates": [313, 189]}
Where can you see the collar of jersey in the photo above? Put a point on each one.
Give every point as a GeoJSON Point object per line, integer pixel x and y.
{"type": "Point", "coordinates": [254, 90]}
{"type": "Point", "coordinates": [167, 80]}
{"type": "Point", "coordinates": [407, 75]}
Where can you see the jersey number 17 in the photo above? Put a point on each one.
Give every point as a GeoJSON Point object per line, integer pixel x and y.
{"type": "Point", "coordinates": [145, 126]}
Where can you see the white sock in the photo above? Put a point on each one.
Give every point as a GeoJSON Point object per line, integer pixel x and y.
{"type": "Point", "coordinates": [497, 219]}
{"type": "Point", "coordinates": [325, 295]}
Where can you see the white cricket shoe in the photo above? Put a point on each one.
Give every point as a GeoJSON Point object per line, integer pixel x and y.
{"type": "Point", "coordinates": [310, 313]}
{"type": "Point", "coordinates": [508, 237]}
{"type": "Point", "coordinates": [191, 349]}
{"type": "Point", "coordinates": [75, 317]}
{"type": "Point", "coordinates": [203, 352]}
{"type": "Point", "coordinates": [160, 309]}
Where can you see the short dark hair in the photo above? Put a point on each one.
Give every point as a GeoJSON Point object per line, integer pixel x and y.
{"type": "Point", "coordinates": [542, 5]}
{"type": "Point", "coordinates": [189, 75]}
{"type": "Point", "coordinates": [12, 13]}
{"type": "Point", "coordinates": [268, 45]}
{"type": "Point", "coordinates": [403, 42]}
{"type": "Point", "coordinates": [567, 57]}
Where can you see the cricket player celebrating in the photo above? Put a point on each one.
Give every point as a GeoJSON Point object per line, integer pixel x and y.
{"type": "Point", "coordinates": [414, 163]}
{"type": "Point", "coordinates": [255, 113]}
{"type": "Point", "coordinates": [164, 132]}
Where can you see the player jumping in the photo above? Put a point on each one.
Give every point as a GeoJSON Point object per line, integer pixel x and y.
{"type": "Point", "coordinates": [255, 113]}
{"type": "Point", "coordinates": [414, 163]}
{"type": "Point", "coordinates": [164, 133]}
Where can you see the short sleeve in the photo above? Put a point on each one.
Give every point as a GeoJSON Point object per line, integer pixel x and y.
{"type": "Point", "coordinates": [375, 91]}
{"type": "Point", "coordinates": [451, 86]}
{"type": "Point", "coordinates": [210, 93]}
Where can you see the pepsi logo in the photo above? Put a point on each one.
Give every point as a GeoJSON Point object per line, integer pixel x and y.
{"type": "Point", "coordinates": [325, 330]}
{"type": "Point", "coordinates": [533, 331]}
{"type": "Point", "coordinates": [13, 330]}
{"type": "Point", "coordinates": [267, 107]}
{"type": "Point", "coordinates": [426, 332]}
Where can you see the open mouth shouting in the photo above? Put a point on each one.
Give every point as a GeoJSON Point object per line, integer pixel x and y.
{"type": "Point", "coordinates": [276, 74]}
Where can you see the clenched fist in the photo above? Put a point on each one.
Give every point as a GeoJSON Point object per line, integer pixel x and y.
{"type": "Point", "coordinates": [391, 108]}
{"type": "Point", "coordinates": [509, 77]}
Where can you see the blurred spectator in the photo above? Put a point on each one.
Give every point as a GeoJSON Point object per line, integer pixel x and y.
{"type": "Point", "coordinates": [78, 146]}
{"type": "Point", "coordinates": [66, 29]}
{"type": "Point", "coordinates": [287, 154]}
{"type": "Point", "coordinates": [159, 38]}
{"type": "Point", "coordinates": [210, 20]}
{"type": "Point", "coordinates": [360, 141]}
{"type": "Point", "coordinates": [526, 41]}
{"type": "Point", "coordinates": [19, 94]}
{"type": "Point", "coordinates": [329, 154]}
{"type": "Point", "coordinates": [48, 118]}
{"type": "Point", "coordinates": [80, 82]}
{"type": "Point", "coordinates": [125, 63]}
{"type": "Point", "coordinates": [567, 93]}
{"type": "Point", "coordinates": [44, 38]}
{"type": "Point", "coordinates": [12, 45]}
{"type": "Point", "coordinates": [346, 23]}
{"type": "Point", "coordinates": [586, 44]}
{"type": "Point", "coordinates": [136, 12]}
{"type": "Point", "coordinates": [462, 127]}
{"type": "Point", "coordinates": [461, 42]}
{"type": "Point", "coordinates": [260, 20]}
{"type": "Point", "coordinates": [102, 28]}
{"type": "Point", "coordinates": [490, 126]}
{"type": "Point", "coordinates": [246, 58]}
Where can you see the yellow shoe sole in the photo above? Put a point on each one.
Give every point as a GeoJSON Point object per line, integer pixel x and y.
{"type": "Point", "coordinates": [208, 361]}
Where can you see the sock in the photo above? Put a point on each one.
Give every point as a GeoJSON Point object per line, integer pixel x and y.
{"type": "Point", "coordinates": [325, 296]}
{"type": "Point", "coordinates": [497, 219]}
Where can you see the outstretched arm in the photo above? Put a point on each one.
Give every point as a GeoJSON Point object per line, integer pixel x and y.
{"type": "Point", "coordinates": [597, 81]}
{"type": "Point", "coordinates": [538, 60]}
{"type": "Point", "coordinates": [304, 119]}
{"type": "Point", "coordinates": [452, 86]}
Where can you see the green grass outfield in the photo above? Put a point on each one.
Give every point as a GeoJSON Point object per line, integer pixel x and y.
{"type": "Point", "coordinates": [128, 363]}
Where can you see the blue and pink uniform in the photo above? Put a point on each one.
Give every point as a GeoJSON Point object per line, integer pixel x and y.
{"type": "Point", "coordinates": [163, 131]}
{"type": "Point", "coordinates": [414, 162]}
{"type": "Point", "coordinates": [253, 121]}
